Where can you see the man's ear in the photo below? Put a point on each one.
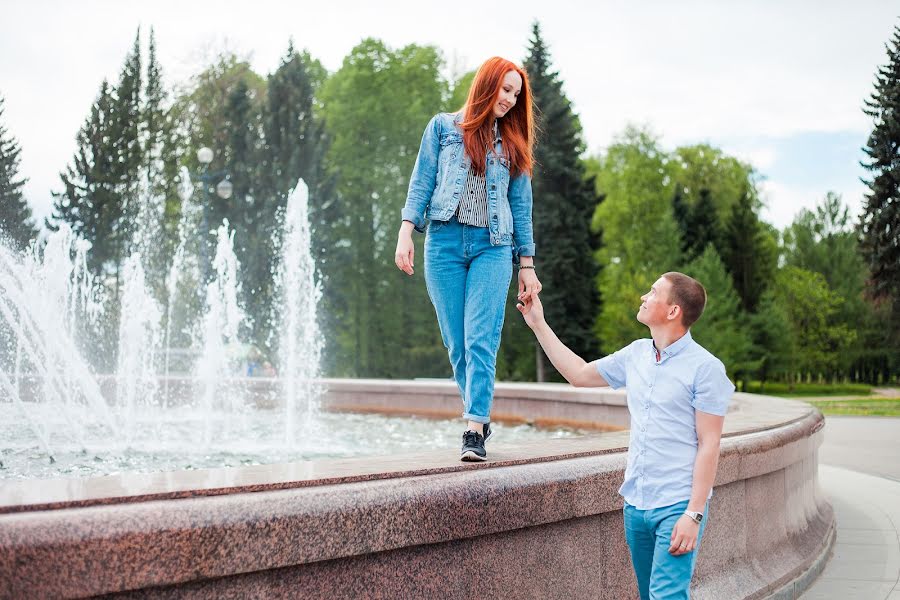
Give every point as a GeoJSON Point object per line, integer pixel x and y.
{"type": "Point", "coordinates": [674, 312]}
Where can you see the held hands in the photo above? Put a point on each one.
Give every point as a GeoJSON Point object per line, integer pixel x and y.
{"type": "Point", "coordinates": [532, 311]}
{"type": "Point", "coordinates": [529, 285]}
{"type": "Point", "coordinates": [684, 536]}
{"type": "Point", "coordinates": [403, 256]}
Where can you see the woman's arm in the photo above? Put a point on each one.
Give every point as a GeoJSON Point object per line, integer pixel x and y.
{"type": "Point", "coordinates": [424, 175]}
{"type": "Point", "coordinates": [520, 205]}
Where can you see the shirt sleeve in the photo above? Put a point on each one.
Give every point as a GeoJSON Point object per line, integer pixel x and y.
{"type": "Point", "coordinates": [712, 389]}
{"type": "Point", "coordinates": [613, 367]}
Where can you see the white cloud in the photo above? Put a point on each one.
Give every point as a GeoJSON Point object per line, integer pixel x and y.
{"type": "Point", "coordinates": [783, 202]}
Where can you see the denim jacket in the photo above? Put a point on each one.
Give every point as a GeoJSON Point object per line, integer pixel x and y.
{"type": "Point", "coordinates": [438, 181]}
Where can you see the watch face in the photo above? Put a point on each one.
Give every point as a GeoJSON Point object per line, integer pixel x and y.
{"type": "Point", "coordinates": [699, 517]}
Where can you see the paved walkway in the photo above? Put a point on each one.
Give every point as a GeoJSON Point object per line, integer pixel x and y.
{"type": "Point", "coordinates": [865, 492]}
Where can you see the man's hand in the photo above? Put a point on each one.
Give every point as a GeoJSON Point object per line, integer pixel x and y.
{"type": "Point", "coordinates": [532, 310]}
{"type": "Point", "coordinates": [684, 536]}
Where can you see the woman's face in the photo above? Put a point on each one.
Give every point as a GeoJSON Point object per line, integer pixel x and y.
{"type": "Point", "coordinates": [509, 92]}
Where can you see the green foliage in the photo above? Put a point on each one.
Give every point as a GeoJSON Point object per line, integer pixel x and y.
{"type": "Point", "coordinates": [635, 210]}
{"type": "Point", "coordinates": [459, 91]}
{"type": "Point", "coordinates": [376, 107]}
{"type": "Point", "coordinates": [641, 238]}
{"type": "Point", "coordinates": [702, 168]}
{"type": "Point", "coordinates": [750, 252]}
{"type": "Point", "coordinates": [724, 328]}
{"type": "Point", "coordinates": [881, 215]}
{"type": "Point", "coordinates": [773, 340]}
{"type": "Point", "coordinates": [807, 389]}
{"type": "Point", "coordinates": [564, 202]}
{"type": "Point", "coordinates": [811, 306]}
{"type": "Point", "coordinates": [16, 223]}
{"type": "Point", "coordinates": [295, 145]}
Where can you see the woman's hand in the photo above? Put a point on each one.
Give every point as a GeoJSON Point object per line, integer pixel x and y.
{"type": "Point", "coordinates": [403, 256]}
{"type": "Point", "coordinates": [529, 285]}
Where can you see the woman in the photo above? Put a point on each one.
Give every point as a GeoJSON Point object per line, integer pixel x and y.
{"type": "Point", "coordinates": [472, 183]}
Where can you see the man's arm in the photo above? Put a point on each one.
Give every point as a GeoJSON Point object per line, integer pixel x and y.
{"type": "Point", "coordinates": [709, 434]}
{"type": "Point", "coordinates": [571, 366]}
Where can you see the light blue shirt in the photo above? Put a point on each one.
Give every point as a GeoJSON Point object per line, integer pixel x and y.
{"type": "Point", "coordinates": [663, 397]}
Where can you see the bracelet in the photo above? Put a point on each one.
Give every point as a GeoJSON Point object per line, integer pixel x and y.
{"type": "Point", "coordinates": [526, 267]}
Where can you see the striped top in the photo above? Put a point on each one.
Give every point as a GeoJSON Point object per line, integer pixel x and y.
{"type": "Point", "coordinates": [473, 208]}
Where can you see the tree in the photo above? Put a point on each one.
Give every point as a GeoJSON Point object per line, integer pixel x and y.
{"type": "Point", "coordinates": [810, 306]}
{"type": "Point", "coordinates": [723, 329]}
{"type": "Point", "coordinates": [99, 198]}
{"type": "Point", "coordinates": [699, 225]}
{"type": "Point", "coordinates": [641, 238]}
{"type": "Point", "coordinates": [295, 145]}
{"type": "Point", "coordinates": [880, 221]}
{"type": "Point", "coordinates": [824, 241]}
{"type": "Point", "coordinates": [749, 252]}
{"type": "Point", "coordinates": [564, 204]}
{"type": "Point", "coordinates": [90, 202]}
{"type": "Point", "coordinates": [773, 341]}
{"type": "Point", "coordinates": [376, 107]}
{"type": "Point", "coordinates": [703, 167]}
{"type": "Point", "coordinates": [16, 224]}
{"type": "Point", "coordinates": [459, 91]}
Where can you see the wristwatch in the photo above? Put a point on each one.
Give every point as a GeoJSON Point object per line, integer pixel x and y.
{"type": "Point", "coordinates": [696, 516]}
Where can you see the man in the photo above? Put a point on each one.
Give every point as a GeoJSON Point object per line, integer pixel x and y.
{"type": "Point", "coordinates": [678, 395]}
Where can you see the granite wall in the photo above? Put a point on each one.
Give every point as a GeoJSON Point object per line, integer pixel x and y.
{"type": "Point", "coordinates": [541, 520]}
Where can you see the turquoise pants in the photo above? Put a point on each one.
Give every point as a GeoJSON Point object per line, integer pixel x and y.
{"type": "Point", "coordinates": [660, 575]}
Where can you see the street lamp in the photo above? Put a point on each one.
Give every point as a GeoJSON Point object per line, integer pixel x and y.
{"type": "Point", "coordinates": [224, 189]}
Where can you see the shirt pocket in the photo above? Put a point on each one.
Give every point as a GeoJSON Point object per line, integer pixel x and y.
{"type": "Point", "coordinates": [451, 144]}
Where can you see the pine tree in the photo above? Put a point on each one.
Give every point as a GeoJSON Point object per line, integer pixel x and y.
{"type": "Point", "coordinates": [100, 195]}
{"type": "Point", "coordinates": [89, 201]}
{"type": "Point", "coordinates": [749, 252]}
{"type": "Point", "coordinates": [563, 206]}
{"type": "Point", "coordinates": [126, 143]}
{"type": "Point", "coordinates": [16, 224]}
{"type": "Point", "coordinates": [153, 114]}
{"type": "Point", "coordinates": [295, 147]}
{"type": "Point", "coordinates": [880, 222]}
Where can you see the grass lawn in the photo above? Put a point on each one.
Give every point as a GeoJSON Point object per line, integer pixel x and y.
{"type": "Point", "coordinates": [833, 399]}
{"type": "Point", "coordinates": [862, 405]}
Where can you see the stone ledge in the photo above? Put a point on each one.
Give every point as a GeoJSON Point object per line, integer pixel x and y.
{"type": "Point", "coordinates": [553, 511]}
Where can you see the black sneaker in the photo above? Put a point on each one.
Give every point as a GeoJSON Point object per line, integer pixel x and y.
{"type": "Point", "coordinates": [488, 432]}
{"type": "Point", "coordinates": [473, 447]}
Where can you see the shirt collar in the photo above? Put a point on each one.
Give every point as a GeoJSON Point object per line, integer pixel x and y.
{"type": "Point", "coordinates": [675, 347]}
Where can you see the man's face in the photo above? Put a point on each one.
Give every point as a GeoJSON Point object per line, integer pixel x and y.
{"type": "Point", "coordinates": [655, 308]}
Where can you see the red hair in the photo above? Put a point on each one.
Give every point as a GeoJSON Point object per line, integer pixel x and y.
{"type": "Point", "coordinates": [516, 126]}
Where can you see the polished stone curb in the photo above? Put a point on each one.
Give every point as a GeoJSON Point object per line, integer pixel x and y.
{"type": "Point", "coordinates": [795, 588]}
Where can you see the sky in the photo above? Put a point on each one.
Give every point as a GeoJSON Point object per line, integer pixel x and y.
{"type": "Point", "coordinates": [780, 84]}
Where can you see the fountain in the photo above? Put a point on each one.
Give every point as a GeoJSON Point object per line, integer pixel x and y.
{"type": "Point", "coordinates": [214, 491]}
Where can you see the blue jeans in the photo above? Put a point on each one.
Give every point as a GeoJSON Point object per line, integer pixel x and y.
{"type": "Point", "coordinates": [660, 575]}
{"type": "Point", "coordinates": [467, 280]}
